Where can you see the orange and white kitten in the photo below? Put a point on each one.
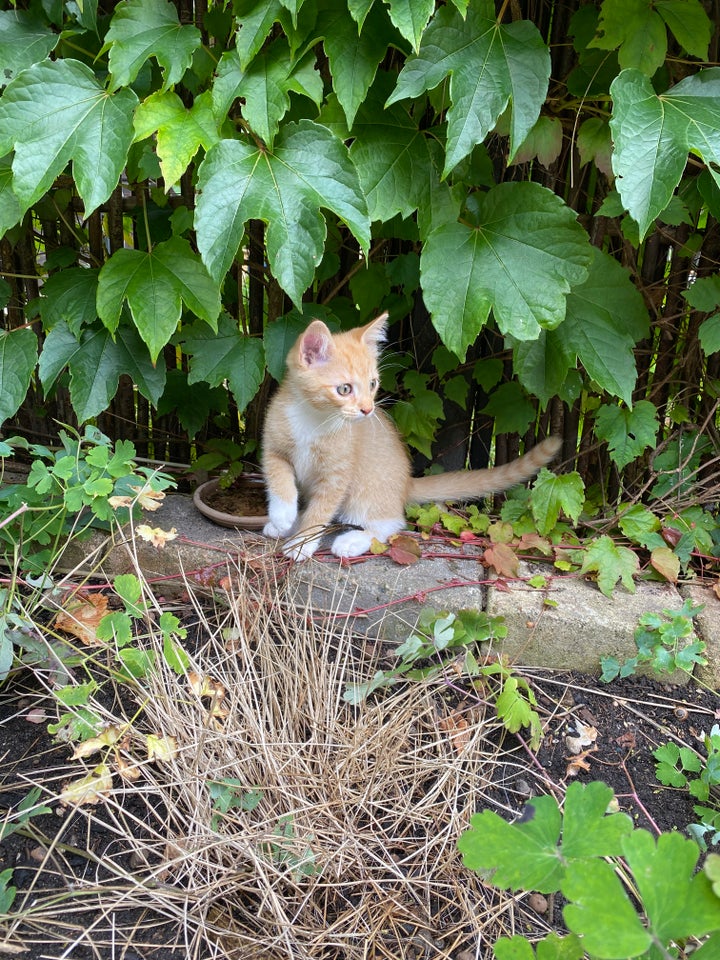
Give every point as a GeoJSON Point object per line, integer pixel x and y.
{"type": "Point", "coordinates": [327, 447]}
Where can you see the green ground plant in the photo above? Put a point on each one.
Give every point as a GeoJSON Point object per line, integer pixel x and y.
{"type": "Point", "coordinates": [628, 894]}
{"type": "Point", "coordinates": [86, 482]}
{"type": "Point", "coordinates": [665, 641]}
{"type": "Point", "coordinates": [682, 767]}
{"type": "Point", "coordinates": [449, 643]}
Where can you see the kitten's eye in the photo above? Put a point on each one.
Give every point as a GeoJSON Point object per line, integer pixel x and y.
{"type": "Point", "coordinates": [345, 389]}
{"type": "Point", "coordinates": [373, 384]}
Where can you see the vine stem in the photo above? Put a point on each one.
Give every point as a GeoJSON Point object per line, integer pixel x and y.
{"type": "Point", "coordinates": [638, 801]}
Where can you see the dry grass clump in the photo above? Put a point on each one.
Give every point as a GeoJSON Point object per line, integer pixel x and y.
{"type": "Point", "coordinates": [338, 836]}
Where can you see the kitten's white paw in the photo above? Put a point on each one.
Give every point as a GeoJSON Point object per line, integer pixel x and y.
{"type": "Point", "coordinates": [352, 544]}
{"type": "Point", "coordinates": [282, 516]}
{"type": "Point", "coordinates": [300, 549]}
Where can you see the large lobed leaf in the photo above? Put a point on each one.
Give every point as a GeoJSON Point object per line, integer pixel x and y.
{"type": "Point", "coordinates": [227, 355]}
{"type": "Point", "coordinates": [155, 285]}
{"type": "Point", "coordinates": [637, 29]}
{"type": "Point", "coordinates": [141, 29]}
{"type": "Point", "coordinates": [605, 317]}
{"type": "Point", "coordinates": [56, 112]}
{"type": "Point", "coordinates": [397, 163]}
{"type": "Point", "coordinates": [521, 261]}
{"type": "Point", "coordinates": [353, 54]}
{"type": "Point", "coordinates": [96, 359]}
{"type": "Point", "coordinates": [265, 86]}
{"type": "Point", "coordinates": [654, 133]}
{"type": "Point", "coordinates": [491, 65]}
{"type": "Point", "coordinates": [308, 169]}
{"type": "Point", "coordinates": [180, 131]}
{"type": "Point", "coordinates": [534, 852]}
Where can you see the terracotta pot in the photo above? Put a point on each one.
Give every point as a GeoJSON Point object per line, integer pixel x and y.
{"type": "Point", "coordinates": [215, 503]}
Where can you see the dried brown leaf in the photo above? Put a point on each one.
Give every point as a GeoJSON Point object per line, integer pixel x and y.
{"type": "Point", "coordinates": [88, 790]}
{"type": "Point", "coordinates": [457, 728]}
{"type": "Point", "coordinates": [80, 616]}
{"type": "Point", "coordinates": [154, 535]}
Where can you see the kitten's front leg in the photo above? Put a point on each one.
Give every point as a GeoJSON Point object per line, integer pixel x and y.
{"type": "Point", "coordinates": [322, 509]}
{"type": "Point", "coordinates": [282, 496]}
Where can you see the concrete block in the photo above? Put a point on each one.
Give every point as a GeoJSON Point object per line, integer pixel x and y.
{"type": "Point", "coordinates": [581, 627]}
{"type": "Point", "coordinates": [382, 599]}
{"type": "Point", "coordinates": [199, 545]}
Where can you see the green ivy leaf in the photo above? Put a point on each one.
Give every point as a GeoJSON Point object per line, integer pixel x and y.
{"type": "Point", "coordinates": [191, 406]}
{"type": "Point", "coordinates": [605, 317]}
{"type": "Point", "coordinates": [257, 18]}
{"type": "Point", "coordinates": [141, 29]}
{"type": "Point", "coordinates": [611, 563]}
{"type": "Point", "coordinates": [654, 133]}
{"type": "Point", "coordinates": [155, 285]}
{"type": "Point", "coordinates": [18, 356]}
{"type": "Point", "coordinates": [544, 142]}
{"type": "Point", "coordinates": [265, 86]}
{"type": "Point", "coordinates": [69, 296]}
{"type": "Point", "coordinates": [628, 432]}
{"type": "Point", "coordinates": [490, 64]}
{"type": "Point", "coordinates": [514, 707]}
{"type": "Point", "coordinates": [551, 494]}
{"type": "Point", "coordinates": [411, 17]}
{"type": "Point", "coordinates": [180, 132]}
{"type": "Point", "coordinates": [689, 23]}
{"type": "Point", "coordinates": [96, 362]}
{"type": "Point", "coordinates": [521, 261]}
{"type": "Point", "coordinates": [10, 210]}
{"type": "Point", "coordinates": [594, 144]}
{"type": "Point", "coordinates": [393, 158]}
{"type": "Point", "coordinates": [640, 525]}
{"type": "Point", "coordinates": [510, 408]}
{"type": "Point", "coordinates": [542, 365]}
{"type": "Point", "coordinates": [24, 40]}
{"type": "Point", "coordinates": [354, 54]}
{"type": "Point", "coordinates": [704, 293]}
{"type": "Point", "coordinates": [709, 334]}
{"type": "Point", "coordinates": [636, 31]}
{"type": "Point", "coordinates": [226, 355]}
{"type": "Point", "coordinates": [279, 336]}
{"type": "Point", "coordinates": [308, 169]}
{"type": "Point", "coordinates": [56, 112]}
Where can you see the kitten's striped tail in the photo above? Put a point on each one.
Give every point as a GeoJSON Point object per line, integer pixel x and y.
{"type": "Point", "coordinates": [475, 484]}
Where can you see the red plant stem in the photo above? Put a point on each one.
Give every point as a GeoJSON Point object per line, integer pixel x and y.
{"type": "Point", "coordinates": [13, 516]}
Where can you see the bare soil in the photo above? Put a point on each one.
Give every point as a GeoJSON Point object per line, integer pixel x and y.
{"type": "Point", "coordinates": [61, 850]}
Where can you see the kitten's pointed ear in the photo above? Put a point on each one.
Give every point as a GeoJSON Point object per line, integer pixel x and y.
{"type": "Point", "coordinates": [315, 345]}
{"type": "Point", "coordinates": [374, 333]}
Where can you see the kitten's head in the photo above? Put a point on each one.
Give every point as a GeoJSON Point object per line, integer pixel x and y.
{"type": "Point", "coordinates": [339, 371]}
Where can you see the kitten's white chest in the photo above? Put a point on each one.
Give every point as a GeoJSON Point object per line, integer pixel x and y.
{"type": "Point", "coordinates": [310, 428]}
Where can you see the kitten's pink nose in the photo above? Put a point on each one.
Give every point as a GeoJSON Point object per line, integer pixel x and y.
{"type": "Point", "coordinates": [366, 411]}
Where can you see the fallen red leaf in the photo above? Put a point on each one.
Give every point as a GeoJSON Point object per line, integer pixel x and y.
{"type": "Point", "coordinates": [404, 549]}
{"type": "Point", "coordinates": [503, 558]}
